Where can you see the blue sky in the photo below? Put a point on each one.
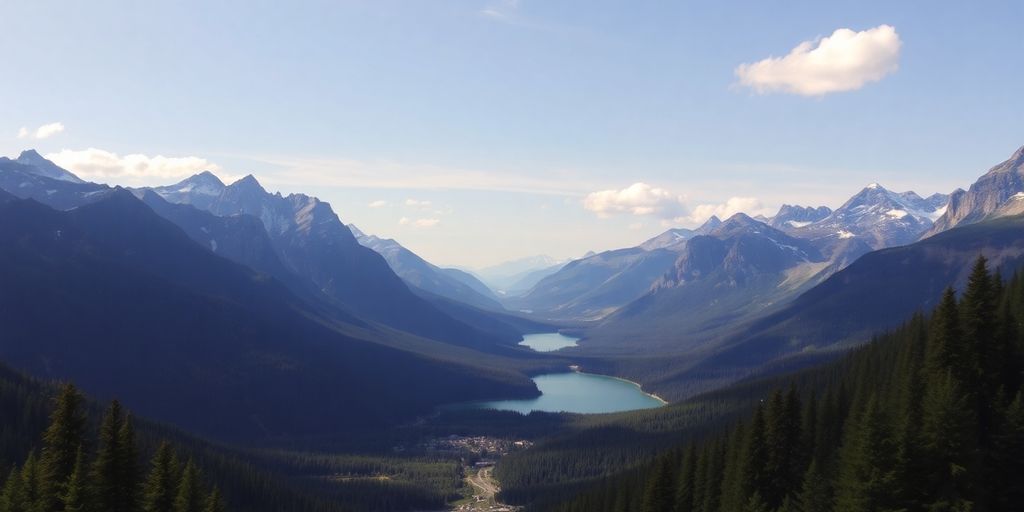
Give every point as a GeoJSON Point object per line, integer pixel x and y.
{"type": "Point", "coordinates": [507, 116]}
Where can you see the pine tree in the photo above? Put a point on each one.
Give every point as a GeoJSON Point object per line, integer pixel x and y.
{"type": "Point", "coordinates": [189, 497]}
{"type": "Point", "coordinates": [948, 444]}
{"type": "Point", "coordinates": [162, 483]}
{"type": "Point", "coordinates": [754, 477]}
{"type": "Point", "coordinates": [75, 497]}
{"type": "Point", "coordinates": [13, 498]}
{"type": "Point", "coordinates": [129, 465]}
{"type": "Point", "coordinates": [783, 467]}
{"type": "Point", "coordinates": [62, 441]}
{"type": "Point", "coordinates": [214, 502]}
{"type": "Point", "coordinates": [684, 487]}
{"type": "Point", "coordinates": [31, 484]}
{"type": "Point", "coordinates": [1008, 450]}
{"type": "Point", "coordinates": [867, 479]}
{"type": "Point", "coordinates": [658, 494]}
{"type": "Point", "coordinates": [756, 504]}
{"type": "Point", "coordinates": [730, 488]}
{"type": "Point", "coordinates": [816, 492]}
{"type": "Point", "coordinates": [114, 490]}
{"type": "Point", "coordinates": [945, 343]}
{"type": "Point", "coordinates": [715, 473]}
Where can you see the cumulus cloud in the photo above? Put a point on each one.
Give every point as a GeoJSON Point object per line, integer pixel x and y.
{"type": "Point", "coordinates": [416, 203]}
{"type": "Point", "coordinates": [378, 204]}
{"type": "Point", "coordinates": [43, 132]}
{"type": "Point", "coordinates": [844, 61]}
{"type": "Point", "coordinates": [749, 205]}
{"type": "Point", "coordinates": [643, 200]}
{"type": "Point", "coordinates": [636, 199]}
{"type": "Point", "coordinates": [419, 223]}
{"type": "Point", "coordinates": [100, 165]}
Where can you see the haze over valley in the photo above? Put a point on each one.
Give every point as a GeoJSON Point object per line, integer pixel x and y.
{"type": "Point", "coordinates": [511, 256]}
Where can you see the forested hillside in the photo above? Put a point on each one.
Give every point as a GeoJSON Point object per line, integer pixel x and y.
{"type": "Point", "coordinates": [927, 417]}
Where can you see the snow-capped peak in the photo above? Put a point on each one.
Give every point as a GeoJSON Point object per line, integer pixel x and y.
{"type": "Point", "coordinates": [46, 168]}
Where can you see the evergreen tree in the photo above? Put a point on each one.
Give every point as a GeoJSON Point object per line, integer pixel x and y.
{"type": "Point", "coordinates": [31, 484]}
{"type": "Point", "coordinates": [114, 491]}
{"type": "Point", "coordinates": [75, 497]}
{"type": "Point", "coordinates": [13, 498]}
{"type": "Point", "coordinates": [948, 444]}
{"type": "Point", "coordinates": [129, 465]}
{"type": "Point", "coordinates": [816, 492]}
{"type": "Point", "coordinates": [162, 483]}
{"type": "Point", "coordinates": [658, 495]}
{"type": "Point", "coordinates": [214, 502]}
{"type": "Point", "coordinates": [945, 343]}
{"type": "Point", "coordinates": [715, 473]}
{"type": "Point", "coordinates": [1008, 450]}
{"type": "Point", "coordinates": [868, 481]}
{"type": "Point", "coordinates": [684, 486]}
{"type": "Point", "coordinates": [62, 441]}
{"type": "Point", "coordinates": [783, 466]}
{"type": "Point", "coordinates": [189, 497]}
{"type": "Point", "coordinates": [754, 477]}
{"type": "Point", "coordinates": [756, 504]}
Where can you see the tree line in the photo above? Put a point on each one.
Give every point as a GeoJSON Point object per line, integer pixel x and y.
{"type": "Point", "coordinates": [929, 417]}
{"type": "Point", "coordinates": [74, 473]}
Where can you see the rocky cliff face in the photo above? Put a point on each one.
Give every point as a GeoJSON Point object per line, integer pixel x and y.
{"type": "Point", "coordinates": [994, 190]}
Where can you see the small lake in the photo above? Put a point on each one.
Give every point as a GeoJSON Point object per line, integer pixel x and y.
{"type": "Point", "coordinates": [548, 342]}
{"type": "Point", "coordinates": [578, 392]}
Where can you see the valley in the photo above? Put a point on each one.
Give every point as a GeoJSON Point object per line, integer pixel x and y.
{"type": "Point", "coordinates": [434, 391]}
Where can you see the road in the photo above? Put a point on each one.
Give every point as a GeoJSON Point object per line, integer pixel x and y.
{"type": "Point", "coordinates": [485, 488]}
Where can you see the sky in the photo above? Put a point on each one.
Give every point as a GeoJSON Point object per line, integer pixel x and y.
{"type": "Point", "coordinates": [479, 131]}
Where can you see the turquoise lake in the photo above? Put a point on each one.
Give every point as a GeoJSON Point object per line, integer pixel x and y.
{"type": "Point", "coordinates": [548, 342]}
{"type": "Point", "coordinates": [578, 392]}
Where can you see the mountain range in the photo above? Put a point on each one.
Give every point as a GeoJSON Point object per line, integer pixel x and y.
{"type": "Point", "coordinates": [261, 294]}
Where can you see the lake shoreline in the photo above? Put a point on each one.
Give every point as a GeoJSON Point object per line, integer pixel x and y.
{"type": "Point", "coordinates": [574, 392]}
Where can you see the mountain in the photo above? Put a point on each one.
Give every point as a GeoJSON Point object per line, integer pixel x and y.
{"type": "Point", "coordinates": [885, 287]}
{"type": "Point", "coordinates": [522, 283]}
{"type": "Point", "coordinates": [510, 274]}
{"type": "Point", "coordinates": [996, 193]}
{"type": "Point", "coordinates": [740, 269]}
{"type": "Point", "coordinates": [32, 176]}
{"type": "Point", "coordinates": [46, 168]}
{"type": "Point", "coordinates": [239, 238]}
{"type": "Point", "coordinates": [875, 293]}
{"type": "Point", "coordinates": [675, 239]}
{"type": "Point", "coordinates": [877, 216]}
{"type": "Point", "coordinates": [417, 272]}
{"type": "Point", "coordinates": [859, 415]}
{"type": "Point", "coordinates": [794, 216]}
{"type": "Point", "coordinates": [599, 284]}
{"type": "Point", "coordinates": [593, 287]}
{"type": "Point", "coordinates": [111, 293]}
{"type": "Point", "coordinates": [313, 243]}
{"type": "Point", "coordinates": [243, 238]}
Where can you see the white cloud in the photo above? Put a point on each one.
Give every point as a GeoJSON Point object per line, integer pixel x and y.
{"type": "Point", "coordinates": [380, 203]}
{"type": "Point", "coordinates": [641, 199]}
{"type": "Point", "coordinates": [416, 203]}
{"type": "Point", "coordinates": [97, 164]}
{"type": "Point", "coordinates": [501, 9]}
{"type": "Point", "coordinates": [43, 132]}
{"type": "Point", "coordinates": [844, 61]}
{"type": "Point", "coordinates": [636, 199]}
{"type": "Point", "coordinates": [748, 205]}
{"type": "Point", "coordinates": [419, 223]}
